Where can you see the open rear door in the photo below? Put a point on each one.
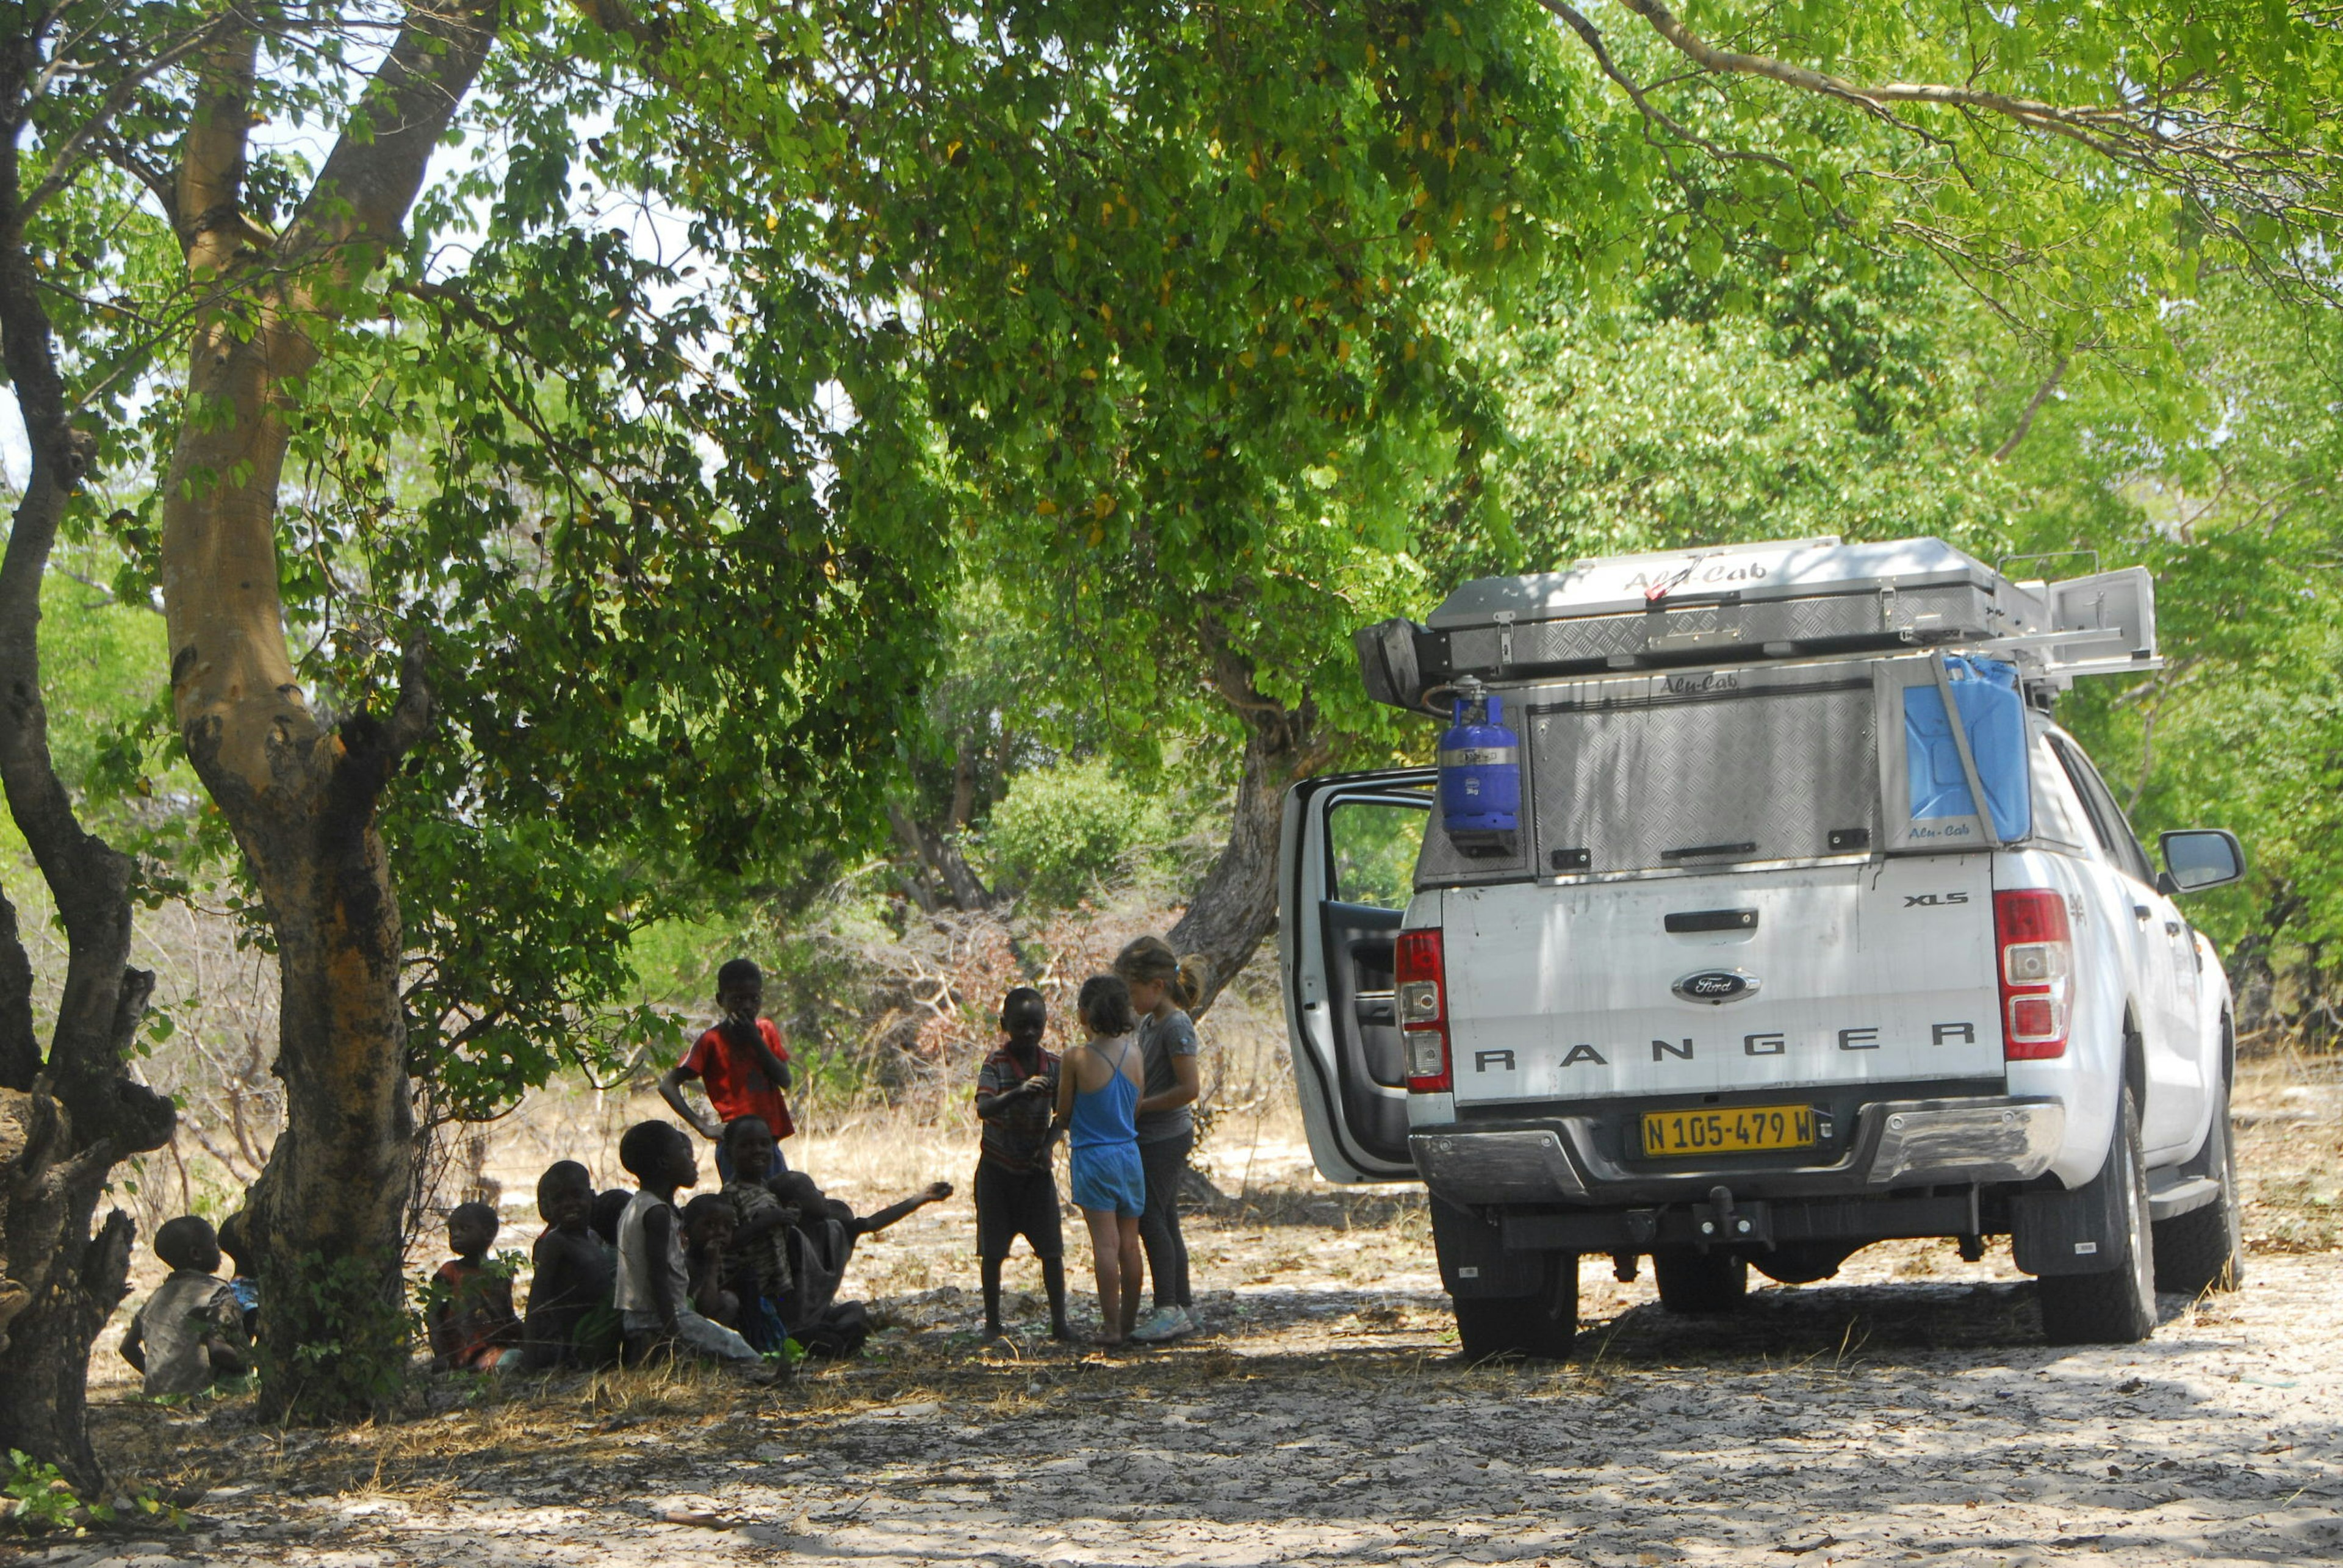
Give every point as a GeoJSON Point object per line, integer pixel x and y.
{"type": "Point", "coordinates": [1346, 869]}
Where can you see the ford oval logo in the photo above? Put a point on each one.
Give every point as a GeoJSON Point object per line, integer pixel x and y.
{"type": "Point", "coordinates": [1717, 986]}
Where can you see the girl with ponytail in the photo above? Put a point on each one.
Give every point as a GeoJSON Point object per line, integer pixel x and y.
{"type": "Point", "coordinates": [1163, 986]}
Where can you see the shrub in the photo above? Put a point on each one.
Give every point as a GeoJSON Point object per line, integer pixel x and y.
{"type": "Point", "coordinates": [1060, 833]}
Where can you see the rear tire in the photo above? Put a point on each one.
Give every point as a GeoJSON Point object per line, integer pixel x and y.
{"type": "Point", "coordinates": [1699, 1284]}
{"type": "Point", "coordinates": [2204, 1250]}
{"type": "Point", "coordinates": [2117, 1307]}
{"type": "Point", "coordinates": [1540, 1327]}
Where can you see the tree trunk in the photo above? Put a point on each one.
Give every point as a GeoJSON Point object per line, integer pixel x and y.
{"type": "Point", "coordinates": [298, 790]}
{"type": "Point", "coordinates": [330, 1205]}
{"type": "Point", "coordinates": [67, 1283]}
{"type": "Point", "coordinates": [66, 1117]}
{"type": "Point", "coordinates": [1235, 906]}
{"type": "Point", "coordinates": [940, 874]}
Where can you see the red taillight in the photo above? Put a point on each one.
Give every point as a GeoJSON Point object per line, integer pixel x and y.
{"type": "Point", "coordinates": [1421, 985]}
{"type": "Point", "coordinates": [2037, 954]}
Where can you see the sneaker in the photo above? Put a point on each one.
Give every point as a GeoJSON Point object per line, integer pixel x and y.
{"type": "Point", "coordinates": [1163, 1323]}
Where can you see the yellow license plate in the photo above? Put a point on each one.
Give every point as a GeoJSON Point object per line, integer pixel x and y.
{"type": "Point", "coordinates": [1741, 1130]}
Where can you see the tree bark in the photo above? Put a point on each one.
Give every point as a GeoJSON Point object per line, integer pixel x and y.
{"type": "Point", "coordinates": [298, 790]}
{"type": "Point", "coordinates": [1235, 906]}
{"type": "Point", "coordinates": [65, 1118]}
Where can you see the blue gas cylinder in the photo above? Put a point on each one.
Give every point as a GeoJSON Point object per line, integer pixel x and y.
{"type": "Point", "coordinates": [1480, 766]}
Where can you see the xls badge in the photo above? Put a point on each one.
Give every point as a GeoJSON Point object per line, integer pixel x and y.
{"type": "Point", "coordinates": [1717, 986]}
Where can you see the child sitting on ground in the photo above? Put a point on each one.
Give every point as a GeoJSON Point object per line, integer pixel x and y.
{"type": "Point", "coordinates": [243, 1281]}
{"type": "Point", "coordinates": [608, 1207]}
{"type": "Point", "coordinates": [821, 1245]}
{"type": "Point", "coordinates": [570, 1322]}
{"type": "Point", "coordinates": [1016, 1195]}
{"type": "Point", "coordinates": [190, 1333]}
{"type": "Point", "coordinates": [758, 1271]}
{"type": "Point", "coordinates": [469, 1306]}
{"type": "Point", "coordinates": [707, 1241]}
{"type": "Point", "coordinates": [654, 1283]}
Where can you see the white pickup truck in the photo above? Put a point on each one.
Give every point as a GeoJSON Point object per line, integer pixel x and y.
{"type": "Point", "coordinates": [1750, 978]}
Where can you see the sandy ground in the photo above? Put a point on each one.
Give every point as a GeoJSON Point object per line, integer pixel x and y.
{"type": "Point", "coordinates": [1904, 1412]}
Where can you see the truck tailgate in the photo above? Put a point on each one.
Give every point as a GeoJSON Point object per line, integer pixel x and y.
{"type": "Point", "coordinates": [1851, 972]}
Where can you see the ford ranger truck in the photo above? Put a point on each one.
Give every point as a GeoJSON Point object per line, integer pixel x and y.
{"type": "Point", "coordinates": [1814, 930]}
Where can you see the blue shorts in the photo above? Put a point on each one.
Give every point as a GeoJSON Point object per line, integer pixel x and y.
{"type": "Point", "coordinates": [1108, 1176]}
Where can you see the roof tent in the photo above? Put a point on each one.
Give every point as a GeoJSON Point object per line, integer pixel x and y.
{"type": "Point", "coordinates": [1741, 604]}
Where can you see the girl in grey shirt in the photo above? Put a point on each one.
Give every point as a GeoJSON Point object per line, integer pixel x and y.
{"type": "Point", "coordinates": [1163, 986]}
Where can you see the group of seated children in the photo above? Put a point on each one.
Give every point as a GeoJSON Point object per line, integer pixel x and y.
{"type": "Point", "coordinates": [735, 1274]}
{"type": "Point", "coordinates": [192, 1332]}
{"type": "Point", "coordinates": [730, 1276]}
{"type": "Point", "coordinates": [618, 1275]}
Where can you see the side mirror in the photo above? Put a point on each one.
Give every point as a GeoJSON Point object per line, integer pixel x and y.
{"type": "Point", "coordinates": [2195, 859]}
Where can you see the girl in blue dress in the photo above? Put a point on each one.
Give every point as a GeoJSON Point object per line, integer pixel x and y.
{"type": "Point", "coordinates": [1098, 1096]}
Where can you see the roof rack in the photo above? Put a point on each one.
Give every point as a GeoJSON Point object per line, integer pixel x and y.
{"type": "Point", "coordinates": [1745, 604]}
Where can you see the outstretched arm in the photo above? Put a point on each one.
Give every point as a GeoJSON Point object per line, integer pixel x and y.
{"type": "Point", "coordinates": [935, 1192]}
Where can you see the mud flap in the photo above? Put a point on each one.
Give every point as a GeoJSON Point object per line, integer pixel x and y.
{"type": "Point", "coordinates": [2075, 1232]}
{"type": "Point", "coordinates": [1473, 1262]}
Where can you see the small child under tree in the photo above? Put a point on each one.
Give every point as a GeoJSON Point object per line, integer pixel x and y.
{"type": "Point", "coordinates": [190, 1333]}
{"type": "Point", "coordinates": [822, 1244]}
{"type": "Point", "coordinates": [708, 1226]}
{"type": "Point", "coordinates": [243, 1279]}
{"type": "Point", "coordinates": [1016, 1194]}
{"type": "Point", "coordinates": [469, 1306]}
{"type": "Point", "coordinates": [654, 1290]}
{"type": "Point", "coordinates": [758, 1271]}
{"type": "Point", "coordinates": [570, 1320]}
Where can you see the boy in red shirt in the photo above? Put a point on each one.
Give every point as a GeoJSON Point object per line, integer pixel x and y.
{"type": "Point", "coordinates": [743, 1063]}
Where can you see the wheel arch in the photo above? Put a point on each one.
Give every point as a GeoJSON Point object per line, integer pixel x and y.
{"type": "Point", "coordinates": [2135, 1055]}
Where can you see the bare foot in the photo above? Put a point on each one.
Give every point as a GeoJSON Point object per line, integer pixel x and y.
{"type": "Point", "coordinates": [1062, 1332]}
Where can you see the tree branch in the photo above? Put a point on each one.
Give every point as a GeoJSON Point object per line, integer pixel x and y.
{"type": "Point", "coordinates": [1593, 37]}
{"type": "Point", "coordinates": [618, 17]}
{"type": "Point", "coordinates": [209, 205]}
{"type": "Point", "coordinates": [362, 194]}
{"type": "Point", "coordinates": [2032, 407]}
{"type": "Point", "coordinates": [2078, 123]}
{"type": "Point", "coordinates": [88, 137]}
{"type": "Point", "coordinates": [2164, 135]}
{"type": "Point", "coordinates": [411, 717]}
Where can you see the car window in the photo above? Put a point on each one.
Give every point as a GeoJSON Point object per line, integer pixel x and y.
{"type": "Point", "coordinates": [1371, 847]}
{"type": "Point", "coordinates": [2108, 822]}
{"type": "Point", "coordinates": [2057, 814]}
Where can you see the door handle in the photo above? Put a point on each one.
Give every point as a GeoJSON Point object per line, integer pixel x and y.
{"type": "Point", "coordinates": [2172, 928]}
{"type": "Point", "coordinates": [2139, 913]}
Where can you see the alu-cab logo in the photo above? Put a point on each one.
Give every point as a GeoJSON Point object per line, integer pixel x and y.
{"type": "Point", "coordinates": [1717, 986]}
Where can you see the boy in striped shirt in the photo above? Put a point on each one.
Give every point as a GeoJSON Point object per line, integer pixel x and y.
{"type": "Point", "coordinates": [1016, 1195]}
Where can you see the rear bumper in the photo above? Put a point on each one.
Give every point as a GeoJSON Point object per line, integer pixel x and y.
{"type": "Point", "coordinates": [1896, 1144]}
